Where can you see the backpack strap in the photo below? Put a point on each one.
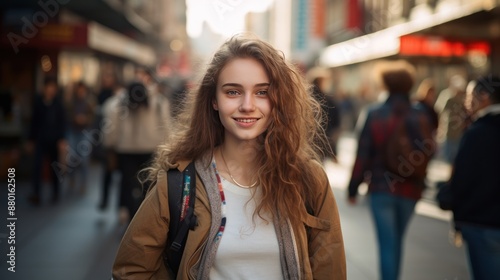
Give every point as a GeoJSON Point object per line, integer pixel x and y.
{"type": "Point", "coordinates": [181, 197]}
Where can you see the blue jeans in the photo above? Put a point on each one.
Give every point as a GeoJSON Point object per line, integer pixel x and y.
{"type": "Point", "coordinates": [391, 215]}
{"type": "Point", "coordinates": [483, 246]}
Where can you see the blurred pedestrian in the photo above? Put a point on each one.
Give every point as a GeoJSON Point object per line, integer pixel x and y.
{"type": "Point", "coordinates": [111, 92]}
{"type": "Point", "coordinates": [138, 122]}
{"type": "Point", "coordinates": [250, 133]}
{"type": "Point", "coordinates": [46, 137]}
{"type": "Point", "coordinates": [81, 113]}
{"type": "Point", "coordinates": [475, 182]}
{"type": "Point", "coordinates": [109, 84]}
{"type": "Point", "coordinates": [320, 80]}
{"type": "Point", "coordinates": [426, 97]}
{"type": "Point", "coordinates": [347, 110]}
{"type": "Point", "coordinates": [392, 197]}
{"type": "Point", "coordinates": [179, 96]}
{"type": "Point", "coordinates": [452, 116]}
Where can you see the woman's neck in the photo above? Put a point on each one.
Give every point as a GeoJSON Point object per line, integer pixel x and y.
{"type": "Point", "coordinates": [237, 160]}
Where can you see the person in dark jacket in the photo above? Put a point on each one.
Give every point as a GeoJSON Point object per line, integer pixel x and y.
{"type": "Point", "coordinates": [392, 197]}
{"type": "Point", "coordinates": [475, 182]}
{"type": "Point", "coordinates": [46, 136]}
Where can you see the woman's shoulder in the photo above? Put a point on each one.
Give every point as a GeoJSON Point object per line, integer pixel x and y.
{"type": "Point", "coordinates": [317, 170]}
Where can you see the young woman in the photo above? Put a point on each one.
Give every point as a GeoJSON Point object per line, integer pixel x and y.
{"type": "Point", "coordinates": [264, 205]}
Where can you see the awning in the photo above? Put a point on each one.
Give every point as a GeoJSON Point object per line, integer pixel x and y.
{"type": "Point", "coordinates": [88, 35]}
{"type": "Point", "coordinates": [108, 41]}
{"type": "Point", "coordinates": [386, 42]}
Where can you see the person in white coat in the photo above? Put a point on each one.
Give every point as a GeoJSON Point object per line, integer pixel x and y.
{"type": "Point", "coordinates": [137, 122]}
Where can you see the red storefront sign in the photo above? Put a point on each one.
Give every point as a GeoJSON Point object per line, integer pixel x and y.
{"type": "Point", "coordinates": [415, 45]}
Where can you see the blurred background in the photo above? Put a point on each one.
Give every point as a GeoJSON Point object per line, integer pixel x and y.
{"type": "Point", "coordinates": [87, 41]}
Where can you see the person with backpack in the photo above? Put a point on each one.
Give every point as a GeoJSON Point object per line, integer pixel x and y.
{"type": "Point", "coordinates": [394, 148]}
{"type": "Point", "coordinates": [263, 205]}
{"type": "Point", "coordinates": [475, 181]}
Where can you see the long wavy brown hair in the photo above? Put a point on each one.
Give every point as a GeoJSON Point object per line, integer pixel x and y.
{"type": "Point", "coordinates": [288, 155]}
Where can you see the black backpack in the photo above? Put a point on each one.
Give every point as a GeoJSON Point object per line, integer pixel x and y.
{"type": "Point", "coordinates": [179, 183]}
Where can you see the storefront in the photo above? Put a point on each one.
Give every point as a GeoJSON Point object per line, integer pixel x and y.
{"type": "Point", "coordinates": [464, 40]}
{"type": "Point", "coordinates": [71, 52]}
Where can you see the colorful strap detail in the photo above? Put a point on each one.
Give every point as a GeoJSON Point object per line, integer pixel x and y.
{"type": "Point", "coordinates": [223, 203]}
{"type": "Point", "coordinates": [185, 196]}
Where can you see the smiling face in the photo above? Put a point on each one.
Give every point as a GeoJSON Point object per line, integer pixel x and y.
{"type": "Point", "coordinates": [241, 99]}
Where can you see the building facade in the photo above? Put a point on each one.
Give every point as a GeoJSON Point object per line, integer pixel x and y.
{"type": "Point", "coordinates": [80, 40]}
{"type": "Point", "coordinates": [441, 38]}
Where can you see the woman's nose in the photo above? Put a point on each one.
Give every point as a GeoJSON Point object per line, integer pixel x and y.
{"type": "Point", "coordinates": [248, 102]}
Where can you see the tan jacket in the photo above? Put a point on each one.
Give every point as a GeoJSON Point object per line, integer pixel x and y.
{"type": "Point", "coordinates": [140, 254]}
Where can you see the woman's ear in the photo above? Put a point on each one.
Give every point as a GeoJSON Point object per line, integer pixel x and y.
{"type": "Point", "coordinates": [214, 104]}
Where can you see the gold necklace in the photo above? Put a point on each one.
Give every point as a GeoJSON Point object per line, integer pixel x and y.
{"type": "Point", "coordinates": [232, 178]}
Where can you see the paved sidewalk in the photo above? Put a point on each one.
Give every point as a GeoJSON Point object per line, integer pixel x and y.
{"type": "Point", "coordinates": [71, 240]}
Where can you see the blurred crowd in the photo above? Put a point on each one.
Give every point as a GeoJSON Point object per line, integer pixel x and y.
{"type": "Point", "coordinates": [399, 136]}
{"type": "Point", "coordinates": [67, 125]}
{"type": "Point", "coordinates": [119, 126]}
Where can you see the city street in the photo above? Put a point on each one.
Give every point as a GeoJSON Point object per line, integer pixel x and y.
{"type": "Point", "coordinates": [80, 78]}
{"type": "Point", "coordinates": [73, 240]}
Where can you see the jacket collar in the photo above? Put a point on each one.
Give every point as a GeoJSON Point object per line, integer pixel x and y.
{"type": "Point", "coordinates": [181, 165]}
{"type": "Point", "coordinates": [398, 97]}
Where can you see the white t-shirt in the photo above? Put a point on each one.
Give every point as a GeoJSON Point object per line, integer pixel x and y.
{"type": "Point", "coordinates": [248, 248]}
